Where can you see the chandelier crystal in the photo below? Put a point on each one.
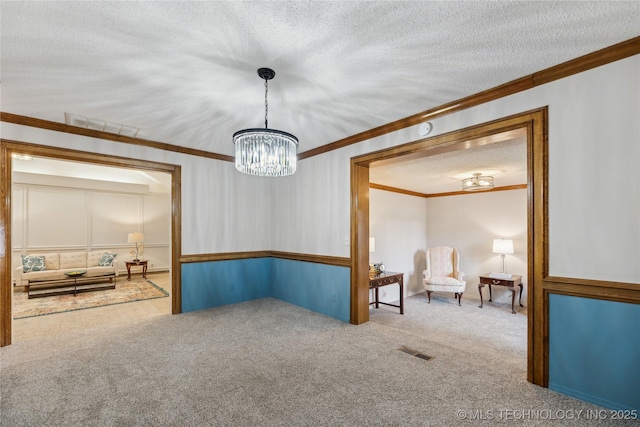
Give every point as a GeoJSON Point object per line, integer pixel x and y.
{"type": "Point", "coordinates": [265, 152]}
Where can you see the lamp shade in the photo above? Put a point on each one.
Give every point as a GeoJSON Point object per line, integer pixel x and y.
{"type": "Point", "coordinates": [136, 237]}
{"type": "Point", "coordinates": [502, 246]}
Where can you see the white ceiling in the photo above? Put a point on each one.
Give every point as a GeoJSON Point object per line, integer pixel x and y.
{"type": "Point", "coordinates": [185, 72]}
{"type": "Point", "coordinates": [156, 182]}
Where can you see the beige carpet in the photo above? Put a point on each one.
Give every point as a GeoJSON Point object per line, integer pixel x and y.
{"type": "Point", "coordinates": [268, 363]}
{"type": "Point", "coordinates": [125, 291]}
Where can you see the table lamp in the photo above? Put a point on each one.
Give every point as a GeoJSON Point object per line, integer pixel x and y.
{"type": "Point", "coordinates": [136, 238]}
{"type": "Point", "coordinates": [502, 246]}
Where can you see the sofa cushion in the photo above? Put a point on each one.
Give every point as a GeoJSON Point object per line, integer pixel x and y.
{"type": "Point", "coordinates": [93, 258]}
{"type": "Point", "coordinates": [33, 263]}
{"type": "Point", "coordinates": [73, 260]}
{"type": "Point", "coordinates": [39, 276]}
{"type": "Point", "coordinates": [107, 259]}
{"type": "Point", "coordinates": [444, 281]}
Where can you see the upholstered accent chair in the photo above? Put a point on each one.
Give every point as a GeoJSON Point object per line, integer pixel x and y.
{"type": "Point", "coordinates": [443, 273]}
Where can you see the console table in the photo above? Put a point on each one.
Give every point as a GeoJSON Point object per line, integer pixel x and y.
{"type": "Point", "coordinates": [511, 283]}
{"type": "Point", "coordinates": [142, 264]}
{"type": "Point", "coordinates": [384, 279]}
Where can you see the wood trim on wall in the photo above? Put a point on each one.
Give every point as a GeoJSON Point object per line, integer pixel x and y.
{"type": "Point", "coordinates": [599, 289]}
{"type": "Point", "coordinates": [451, 193]}
{"type": "Point", "coordinates": [223, 256]}
{"type": "Point", "coordinates": [8, 147]}
{"type": "Point", "coordinates": [601, 57]}
{"type": "Point", "coordinates": [318, 259]}
{"type": "Point", "coordinates": [535, 124]}
{"type": "Point", "coordinates": [359, 242]}
{"type": "Point", "coordinates": [62, 127]}
{"type": "Point", "coordinates": [6, 286]}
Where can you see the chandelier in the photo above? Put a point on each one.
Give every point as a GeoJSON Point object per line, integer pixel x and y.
{"type": "Point", "coordinates": [265, 152]}
{"type": "Point", "coordinates": [477, 183]}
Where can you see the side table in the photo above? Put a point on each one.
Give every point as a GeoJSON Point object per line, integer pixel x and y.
{"type": "Point", "coordinates": [515, 280]}
{"type": "Point", "coordinates": [384, 279]}
{"type": "Point", "coordinates": [142, 264]}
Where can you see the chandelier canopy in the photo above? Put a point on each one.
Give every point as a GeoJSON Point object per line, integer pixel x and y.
{"type": "Point", "coordinates": [477, 182]}
{"type": "Point", "coordinates": [265, 152]}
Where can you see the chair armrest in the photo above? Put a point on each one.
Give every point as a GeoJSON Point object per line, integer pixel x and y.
{"type": "Point", "coordinates": [460, 276]}
{"type": "Point", "coordinates": [427, 274]}
{"type": "Point", "coordinates": [17, 275]}
{"type": "Point", "coordinates": [114, 263]}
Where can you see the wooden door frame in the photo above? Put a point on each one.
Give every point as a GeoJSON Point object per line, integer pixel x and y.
{"type": "Point", "coordinates": [535, 124]}
{"type": "Point", "coordinates": [8, 148]}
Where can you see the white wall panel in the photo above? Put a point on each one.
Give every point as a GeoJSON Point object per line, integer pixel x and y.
{"type": "Point", "coordinates": [17, 215]}
{"type": "Point", "coordinates": [156, 217]}
{"type": "Point", "coordinates": [56, 215]}
{"type": "Point", "coordinates": [113, 217]}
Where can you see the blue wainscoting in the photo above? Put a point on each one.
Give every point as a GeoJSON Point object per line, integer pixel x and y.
{"type": "Point", "coordinates": [317, 287]}
{"type": "Point", "coordinates": [215, 283]}
{"type": "Point", "coordinates": [594, 351]}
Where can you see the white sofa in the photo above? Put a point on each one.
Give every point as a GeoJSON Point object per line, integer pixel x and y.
{"type": "Point", "coordinates": [57, 264]}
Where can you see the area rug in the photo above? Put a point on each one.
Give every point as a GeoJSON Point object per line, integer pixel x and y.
{"type": "Point", "coordinates": [125, 291]}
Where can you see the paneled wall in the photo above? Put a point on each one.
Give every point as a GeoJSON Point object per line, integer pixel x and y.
{"type": "Point", "coordinates": [52, 218]}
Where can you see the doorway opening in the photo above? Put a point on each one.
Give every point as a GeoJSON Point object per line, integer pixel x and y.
{"type": "Point", "coordinates": [534, 124]}
{"type": "Point", "coordinates": [11, 148]}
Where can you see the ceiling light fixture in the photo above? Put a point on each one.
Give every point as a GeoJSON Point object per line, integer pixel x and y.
{"type": "Point", "coordinates": [265, 152]}
{"type": "Point", "coordinates": [477, 182]}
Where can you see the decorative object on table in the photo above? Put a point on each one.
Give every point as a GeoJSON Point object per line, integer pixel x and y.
{"type": "Point", "coordinates": [375, 268]}
{"type": "Point", "coordinates": [76, 273]}
{"type": "Point", "coordinates": [443, 272]}
{"type": "Point", "coordinates": [138, 239]}
{"type": "Point", "coordinates": [503, 247]}
{"type": "Point", "coordinates": [265, 152]}
{"type": "Point", "coordinates": [477, 182]}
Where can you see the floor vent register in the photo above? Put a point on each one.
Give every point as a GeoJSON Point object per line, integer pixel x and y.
{"type": "Point", "coordinates": [415, 353]}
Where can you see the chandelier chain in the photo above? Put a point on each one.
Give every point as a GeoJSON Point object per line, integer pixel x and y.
{"type": "Point", "coordinates": [266, 104]}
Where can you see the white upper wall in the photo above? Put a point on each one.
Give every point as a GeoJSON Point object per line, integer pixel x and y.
{"type": "Point", "coordinates": [398, 223]}
{"type": "Point", "coordinates": [594, 128]}
{"type": "Point", "coordinates": [222, 209]}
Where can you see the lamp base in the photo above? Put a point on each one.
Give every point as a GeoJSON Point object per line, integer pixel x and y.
{"type": "Point", "coordinates": [136, 260]}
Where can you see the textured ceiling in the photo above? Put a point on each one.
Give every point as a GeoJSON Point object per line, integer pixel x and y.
{"type": "Point", "coordinates": [504, 158]}
{"type": "Point", "coordinates": [185, 72]}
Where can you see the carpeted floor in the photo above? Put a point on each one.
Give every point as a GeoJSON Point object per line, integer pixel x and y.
{"type": "Point", "coordinates": [269, 363]}
{"type": "Point", "coordinates": [125, 291]}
